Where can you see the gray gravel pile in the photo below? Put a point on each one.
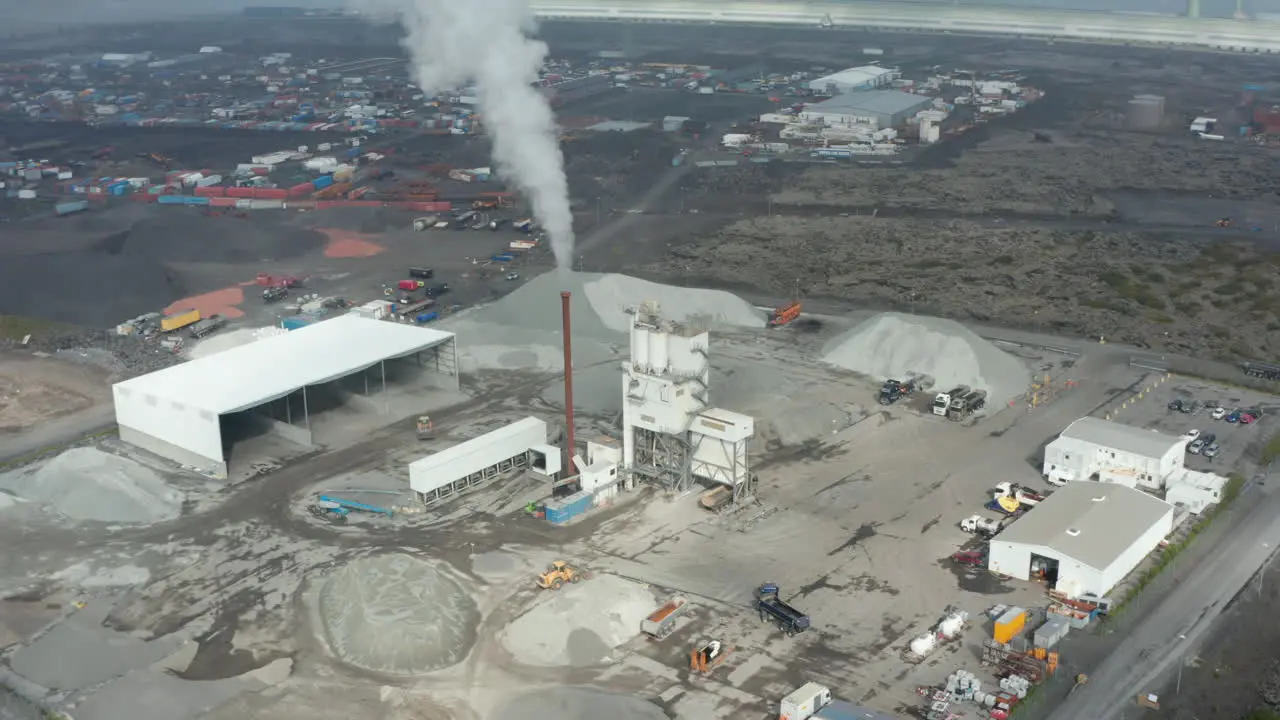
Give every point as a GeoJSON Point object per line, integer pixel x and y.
{"type": "Point", "coordinates": [397, 614]}
{"type": "Point", "coordinates": [891, 345]}
{"type": "Point", "coordinates": [85, 483]}
{"type": "Point", "coordinates": [126, 356]}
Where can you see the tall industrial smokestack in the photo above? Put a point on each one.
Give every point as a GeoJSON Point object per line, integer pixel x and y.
{"type": "Point", "coordinates": [570, 447]}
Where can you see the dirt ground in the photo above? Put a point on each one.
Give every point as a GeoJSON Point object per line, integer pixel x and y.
{"type": "Point", "coordinates": [36, 390]}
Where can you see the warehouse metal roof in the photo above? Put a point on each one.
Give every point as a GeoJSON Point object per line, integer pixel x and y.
{"type": "Point", "coordinates": [878, 102]}
{"type": "Point", "coordinates": [273, 367]}
{"type": "Point", "coordinates": [1117, 436]}
{"type": "Point", "coordinates": [864, 75]}
{"type": "Point", "coordinates": [1090, 522]}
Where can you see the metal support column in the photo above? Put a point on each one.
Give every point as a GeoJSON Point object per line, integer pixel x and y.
{"type": "Point", "coordinates": [288, 408]}
{"type": "Point", "coordinates": [306, 414]}
{"type": "Point", "coordinates": [386, 405]}
{"type": "Point", "coordinates": [365, 374]}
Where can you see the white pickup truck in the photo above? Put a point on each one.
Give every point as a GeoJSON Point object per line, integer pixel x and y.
{"type": "Point", "coordinates": [979, 525]}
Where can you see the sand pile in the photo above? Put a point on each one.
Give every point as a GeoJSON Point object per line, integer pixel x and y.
{"type": "Point", "coordinates": [397, 614]}
{"type": "Point", "coordinates": [570, 703]}
{"type": "Point", "coordinates": [88, 484]}
{"type": "Point", "coordinates": [233, 339]}
{"type": "Point", "coordinates": [581, 624]}
{"type": "Point", "coordinates": [890, 345]}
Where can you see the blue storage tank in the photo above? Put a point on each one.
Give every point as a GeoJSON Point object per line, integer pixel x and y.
{"type": "Point", "coordinates": [293, 323]}
{"type": "Point", "coordinates": [427, 317]}
{"type": "Point", "coordinates": [171, 200]}
{"type": "Point", "coordinates": [322, 182]}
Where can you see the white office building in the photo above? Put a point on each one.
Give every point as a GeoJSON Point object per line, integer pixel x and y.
{"type": "Point", "coordinates": [1092, 448]}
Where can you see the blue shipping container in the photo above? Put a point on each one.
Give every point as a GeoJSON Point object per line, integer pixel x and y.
{"type": "Point", "coordinates": [322, 182]}
{"type": "Point", "coordinates": [427, 317]}
{"type": "Point", "coordinates": [195, 200]}
{"type": "Point", "coordinates": [294, 323]}
{"type": "Point", "coordinates": [171, 200]}
{"type": "Point", "coordinates": [501, 258]}
{"type": "Point", "coordinates": [67, 208]}
{"type": "Point", "coordinates": [353, 152]}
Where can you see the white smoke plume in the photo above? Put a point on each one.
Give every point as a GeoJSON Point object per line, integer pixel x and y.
{"type": "Point", "coordinates": [487, 42]}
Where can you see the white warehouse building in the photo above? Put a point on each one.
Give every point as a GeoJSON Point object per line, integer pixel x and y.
{"type": "Point", "coordinates": [1085, 538]}
{"type": "Point", "coordinates": [196, 413]}
{"type": "Point", "coordinates": [867, 77]}
{"type": "Point", "coordinates": [1113, 452]}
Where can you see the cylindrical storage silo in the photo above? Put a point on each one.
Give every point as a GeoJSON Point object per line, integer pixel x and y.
{"type": "Point", "coordinates": [640, 347]}
{"type": "Point", "coordinates": [658, 352]}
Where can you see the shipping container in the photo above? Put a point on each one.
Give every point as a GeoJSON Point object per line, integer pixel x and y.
{"type": "Point", "coordinates": [426, 317]}
{"type": "Point", "coordinates": [240, 192]}
{"type": "Point", "coordinates": [294, 323]}
{"type": "Point", "coordinates": [172, 199]}
{"type": "Point", "coordinates": [301, 190]}
{"type": "Point", "coordinates": [270, 194]}
{"type": "Point", "coordinates": [195, 201]}
{"type": "Point", "coordinates": [211, 192]}
{"type": "Point", "coordinates": [209, 180]}
{"type": "Point", "coordinates": [1010, 624]}
{"type": "Point", "coordinates": [179, 320]}
{"type": "Point", "coordinates": [266, 204]}
{"type": "Point", "coordinates": [322, 182]}
{"type": "Point", "coordinates": [300, 205]}
{"type": "Point", "coordinates": [222, 202]}
{"type": "Point", "coordinates": [67, 208]}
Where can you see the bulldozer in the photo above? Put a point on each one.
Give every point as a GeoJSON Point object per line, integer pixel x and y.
{"type": "Point", "coordinates": [558, 573]}
{"type": "Point", "coordinates": [706, 658]}
{"type": "Point", "coordinates": [425, 429]}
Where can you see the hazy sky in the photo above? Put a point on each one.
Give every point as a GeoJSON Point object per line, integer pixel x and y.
{"type": "Point", "coordinates": [123, 10]}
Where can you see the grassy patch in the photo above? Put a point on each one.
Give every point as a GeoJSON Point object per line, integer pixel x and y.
{"type": "Point", "coordinates": [1262, 714]}
{"type": "Point", "coordinates": [1271, 450]}
{"type": "Point", "coordinates": [16, 327]}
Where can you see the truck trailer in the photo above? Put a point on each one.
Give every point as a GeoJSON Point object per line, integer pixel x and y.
{"type": "Point", "coordinates": [963, 406]}
{"type": "Point", "coordinates": [770, 605]}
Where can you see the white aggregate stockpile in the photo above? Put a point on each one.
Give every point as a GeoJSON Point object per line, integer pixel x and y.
{"type": "Point", "coordinates": [396, 614]}
{"type": "Point", "coordinates": [225, 341]}
{"type": "Point", "coordinates": [600, 301]}
{"type": "Point", "coordinates": [86, 483]}
{"type": "Point", "coordinates": [890, 345]}
{"type": "Point", "coordinates": [581, 624]}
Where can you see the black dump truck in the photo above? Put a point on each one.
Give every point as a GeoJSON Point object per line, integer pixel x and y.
{"type": "Point", "coordinates": [772, 607]}
{"type": "Point", "coordinates": [1261, 370]}
{"type": "Point", "coordinates": [894, 390]}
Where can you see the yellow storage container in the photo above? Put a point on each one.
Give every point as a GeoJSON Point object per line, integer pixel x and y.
{"type": "Point", "coordinates": [1010, 624]}
{"type": "Point", "coordinates": [180, 320]}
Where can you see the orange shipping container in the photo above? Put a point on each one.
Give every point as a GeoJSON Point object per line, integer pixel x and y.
{"type": "Point", "coordinates": [1009, 625]}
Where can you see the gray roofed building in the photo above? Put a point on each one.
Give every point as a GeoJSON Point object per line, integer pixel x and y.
{"type": "Point", "coordinates": [887, 108]}
{"type": "Point", "coordinates": [1091, 522]}
{"type": "Point", "coordinates": [1117, 436]}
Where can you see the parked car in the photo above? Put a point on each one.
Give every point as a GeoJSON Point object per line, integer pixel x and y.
{"type": "Point", "coordinates": [1208, 439]}
{"type": "Point", "coordinates": [1233, 417]}
{"type": "Point", "coordinates": [1191, 434]}
{"type": "Point", "coordinates": [1175, 406]}
{"type": "Point", "coordinates": [972, 558]}
{"type": "Point", "coordinates": [1195, 447]}
{"type": "Point", "coordinates": [1210, 451]}
{"type": "Point", "coordinates": [1248, 418]}
{"type": "Point", "coordinates": [1218, 413]}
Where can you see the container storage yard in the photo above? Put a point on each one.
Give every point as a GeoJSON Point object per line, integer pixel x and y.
{"type": "Point", "coordinates": [874, 376]}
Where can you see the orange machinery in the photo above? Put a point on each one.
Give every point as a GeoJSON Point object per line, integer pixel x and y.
{"type": "Point", "coordinates": [708, 657]}
{"type": "Point", "coordinates": [784, 314]}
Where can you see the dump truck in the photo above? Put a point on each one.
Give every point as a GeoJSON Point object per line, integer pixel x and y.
{"type": "Point", "coordinates": [662, 622]}
{"type": "Point", "coordinates": [942, 401]}
{"type": "Point", "coordinates": [274, 293]}
{"type": "Point", "coordinates": [207, 326]}
{"type": "Point", "coordinates": [558, 573]}
{"type": "Point", "coordinates": [771, 606]}
{"type": "Point", "coordinates": [967, 404]}
{"type": "Point", "coordinates": [894, 390]}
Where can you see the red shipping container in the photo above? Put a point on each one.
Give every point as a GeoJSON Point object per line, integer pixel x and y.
{"type": "Point", "coordinates": [212, 191]}
{"type": "Point", "coordinates": [360, 203]}
{"type": "Point", "coordinates": [326, 204]}
{"type": "Point", "coordinates": [408, 285]}
{"type": "Point", "coordinates": [301, 190]}
{"type": "Point", "coordinates": [270, 194]}
{"type": "Point", "coordinates": [223, 202]}
{"type": "Point", "coordinates": [144, 197]}
{"type": "Point", "coordinates": [260, 171]}
{"type": "Point", "coordinates": [240, 192]}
